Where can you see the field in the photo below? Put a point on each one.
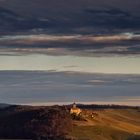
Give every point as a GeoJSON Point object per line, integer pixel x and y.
{"type": "Point", "coordinates": [108, 124]}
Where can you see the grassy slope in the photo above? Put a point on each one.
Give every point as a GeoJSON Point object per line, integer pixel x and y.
{"type": "Point", "coordinates": [108, 125]}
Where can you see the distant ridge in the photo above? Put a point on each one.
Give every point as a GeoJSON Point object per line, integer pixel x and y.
{"type": "Point", "coordinates": [2, 105]}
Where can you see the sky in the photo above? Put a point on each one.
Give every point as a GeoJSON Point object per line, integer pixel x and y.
{"type": "Point", "coordinates": [50, 87]}
{"type": "Point", "coordinates": [122, 65]}
{"type": "Point", "coordinates": [84, 53]}
{"type": "Point", "coordinates": [70, 40]}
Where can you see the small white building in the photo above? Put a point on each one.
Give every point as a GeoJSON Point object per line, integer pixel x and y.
{"type": "Point", "coordinates": [75, 110]}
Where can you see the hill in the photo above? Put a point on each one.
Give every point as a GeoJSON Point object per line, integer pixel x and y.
{"type": "Point", "coordinates": [25, 122]}
{"type": "Point", "coordinates": [108, 124]}
{"type": "Point", "coordinates": [55, 123]}
{"type": "Point", "coordinates": [4, 105]}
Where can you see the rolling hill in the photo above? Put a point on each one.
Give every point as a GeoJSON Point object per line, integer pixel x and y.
{"type": "Point", "coordinates": [108, 124]}
{"type": "Point", "coordinates": [55, 123]}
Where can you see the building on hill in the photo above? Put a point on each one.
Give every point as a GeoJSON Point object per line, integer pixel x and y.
{"type": "Point", "coordinates": [75, 110]}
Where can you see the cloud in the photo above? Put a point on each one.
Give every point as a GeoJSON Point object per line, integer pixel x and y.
{"type": "Point", "coordinates": [53, 86]}
{"type": "Point", "coordinates": [69, 38]}
{"type": "Point", "coordinates": [98, 28]}
{"type": "Point", "coordinates": [114, 12]}
{"type": "Point", "coordinates": [92, 45]}
{"type": "Point", "coordinates": [97, 82]}
{"type": "Point", "coordinates": [70, 17]}
{"type": "Point", "coordinates": [133, 99]}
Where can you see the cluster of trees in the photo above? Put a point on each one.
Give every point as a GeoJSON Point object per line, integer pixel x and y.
{"type": "Point", "coordinates": [134, 137]}
{"type": "Point", "coordinates": [95, 106]}
{"type": "Point", "coordinates": [37, 123]}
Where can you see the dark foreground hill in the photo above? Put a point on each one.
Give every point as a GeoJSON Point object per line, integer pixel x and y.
{"type": "Point", "coordinates": [24, 122]}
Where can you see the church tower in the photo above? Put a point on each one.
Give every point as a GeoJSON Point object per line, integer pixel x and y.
{"type": "Point", "coordinates": [74, 105]}
{"type": "Point", "coordinates": [75, 110]}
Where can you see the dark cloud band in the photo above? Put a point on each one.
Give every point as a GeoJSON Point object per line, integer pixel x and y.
{"type": "Point", "coordinates": [116, 44]}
